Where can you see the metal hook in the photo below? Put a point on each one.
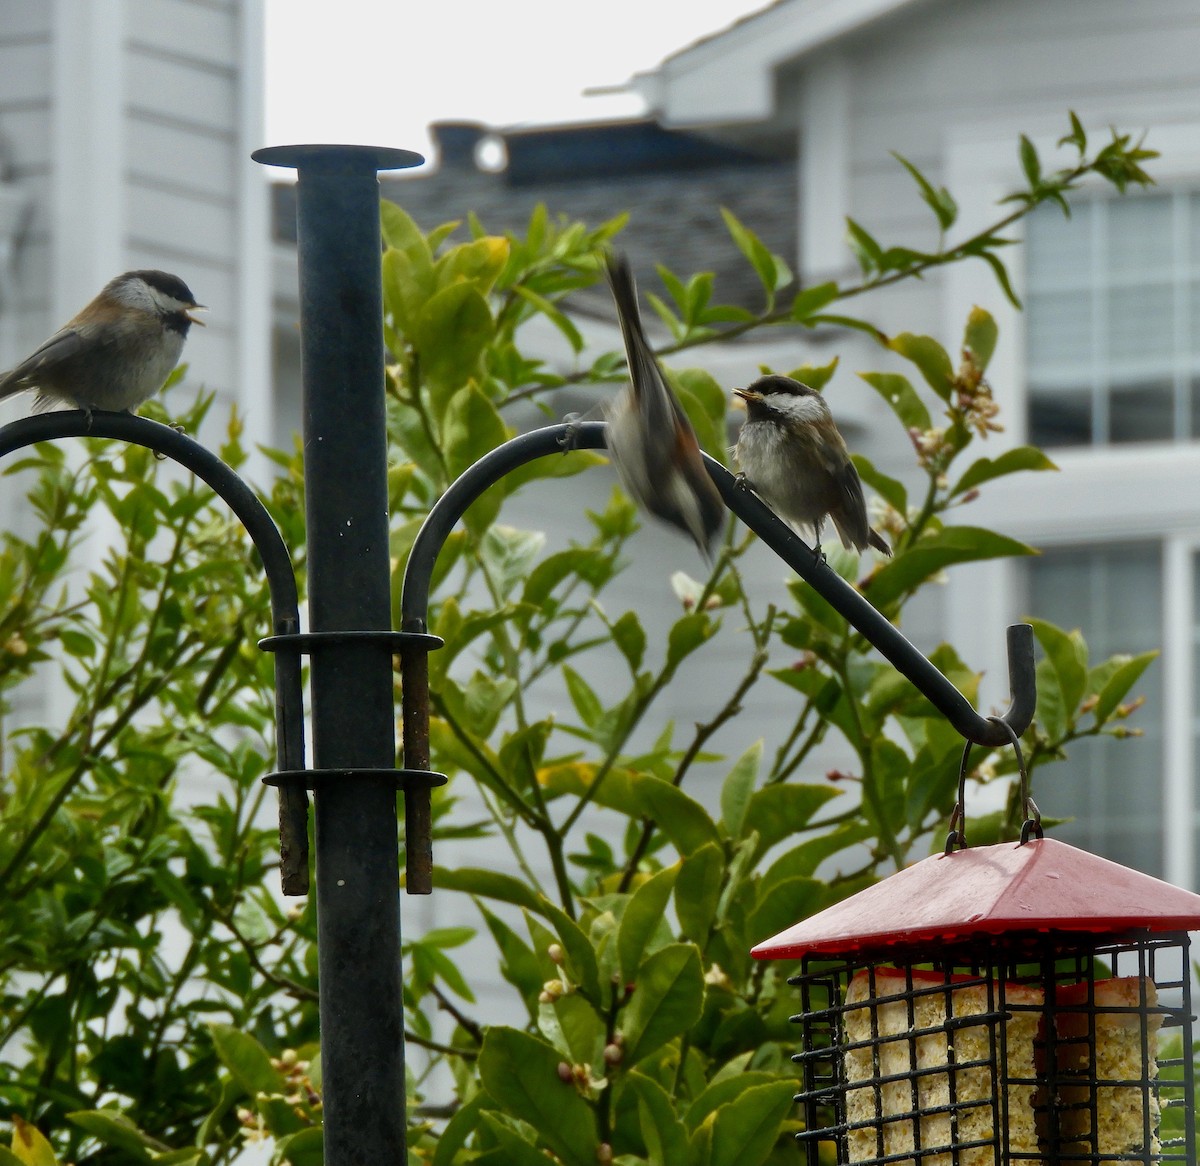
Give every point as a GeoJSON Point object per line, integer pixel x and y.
{"type": "Point", "coordinates": [1033, 816]}
{"type": "Point", "coordinates": [776, 534]}
{"type": "Point", "coordinates": [956, 839]}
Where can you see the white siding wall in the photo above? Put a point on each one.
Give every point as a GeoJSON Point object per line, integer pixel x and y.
{"type": "Point", "coordinates": [128, 126]}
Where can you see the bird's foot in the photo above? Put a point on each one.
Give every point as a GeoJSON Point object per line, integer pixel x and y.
{"type": "Point", "coordinates": [569, 438]}
{"type": "Point", "coordinates": [158, 454]}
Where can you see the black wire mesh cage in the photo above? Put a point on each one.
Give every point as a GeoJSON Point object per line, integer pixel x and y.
{"type": "Point", "coordinates": [1033, 1048]}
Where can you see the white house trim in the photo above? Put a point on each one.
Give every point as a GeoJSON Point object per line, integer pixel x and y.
{"type": "Point", "coordinates": [693, 86]}
{"type": "Point", "coordinates": [88, 151]}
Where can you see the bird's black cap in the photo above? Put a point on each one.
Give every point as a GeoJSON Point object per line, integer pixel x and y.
{"type": "Point", "coordinates": [165, 282]}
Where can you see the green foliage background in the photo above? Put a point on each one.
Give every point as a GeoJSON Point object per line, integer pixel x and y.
{"type": "Point", "coordinates": [157, 1001]}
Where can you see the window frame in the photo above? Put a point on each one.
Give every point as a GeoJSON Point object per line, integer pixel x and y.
{"type": "Point", "coordinates": [1102, 493]}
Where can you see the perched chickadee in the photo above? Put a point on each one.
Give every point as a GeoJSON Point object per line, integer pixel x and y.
{"type": "Point", "coordinates": [117, 352]}
{"type": "Point", "coordinates": [792, 455]}
{"type": "Point", "coordinates": [652, 443]}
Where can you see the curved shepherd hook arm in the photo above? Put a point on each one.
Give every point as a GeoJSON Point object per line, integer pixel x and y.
{"type": "Point", "coordinates": [277, 565]}
{"type": "Point", "coordinates": [885, 637]}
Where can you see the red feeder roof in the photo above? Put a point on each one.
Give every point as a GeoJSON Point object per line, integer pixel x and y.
{"type": "Point", "coordinates": [1044, 885]}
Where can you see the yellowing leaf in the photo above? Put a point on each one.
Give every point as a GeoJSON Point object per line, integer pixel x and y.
{"type": "Point", "coordinates": [479, 262]}
{"type": "Point", "coordinates": [30, 1145]}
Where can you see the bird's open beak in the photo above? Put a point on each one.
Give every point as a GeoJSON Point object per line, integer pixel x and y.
{"type": "Point", "coordinates": [747, 395]}
{"type": "Point", "coordinates": [194, 319]}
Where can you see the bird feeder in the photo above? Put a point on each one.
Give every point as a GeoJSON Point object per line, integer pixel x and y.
{"type": "Point", "coordinates": [1018, 1003]}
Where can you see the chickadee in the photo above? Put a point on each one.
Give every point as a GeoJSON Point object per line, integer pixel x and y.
{"type": "Point", "coordinates": [117, 352]}
{"type": "Point", "coordinates": [792, 455]}
{"type": "Point", "coordinates": [652, 443]}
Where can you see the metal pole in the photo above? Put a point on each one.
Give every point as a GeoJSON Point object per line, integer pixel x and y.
{"type": "Point", "coordinates": [353, 722]}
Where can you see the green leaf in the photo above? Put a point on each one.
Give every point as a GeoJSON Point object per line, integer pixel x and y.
{"type": "Point", "coordinates": [866, 248]}
{"type": "Point", "coordinates": [450, 333]}
{"type": "Point", "coordinates": [581, 955]}
{"type": "Point", "coordinates": [245, 1059]}
{"type": "Point", "coordinates": [816, 376]}
{"type": "Point", "coordinates": [773, 272]}
{"type": "Point", "coordinates": [667, 999]}
{"type": "Point", "coordinates": [1076, 137]}
{"type": "Point", "coordinates": [491, 884]}
{"type": "Point", "coordinates": [786, 902]}
{"type": "Point", "coordinates": [520, 1073]}
{"type": "Point", "coordinates": [979, 336]}
{"type": "Point", "coordinates": [924, 559]}
{"type": "Point", "coordinates": [939, 200]}
{"type": "Point", "coordinates": [984, 469]}
{"type": "Point", "coordinates": [305, 1147]}
{"type": "Point", "coordinates": [802, 861]}
{"type": "Point", "coordinates": [630, 639]}
{"type": "Point", "coordinates": [114, 1129]}
{"type": "Point", "coordinates": [744, 1132]}
{"type": "Point", "coordinates": [407, 284]}
{"type": "Point", "coordinates": [554, 315]}
{"type": "Point", "coordinates": [891, 490]}
{"type": "Point", "coordinates": [710, 430]}
{"type": "Point", "coordinates": [1030, 163]}
{"type": "Point", "coordinates": [837, 320]}
{"type": "Point", "coordinates": [930, 357]}
{"type": "Point", "coordinates": [739, 788]}
{"type": "Point", "coordinates": [518, 963]}
{"type": "Point", "coordinates": [898, 392]}
{"type": "Point", "coordinates": [1067, 654]}
{"type": "Point", "coordinates": [682, 819]}
{"type": "Point", "coordinates": [698, 890]}
{"type": "Point", "coordinates": [665, 1134]}
{"type": "Point", "coordinates": [721, 1091]}
{"type": "Point", "coordinates": [458, 1129]}
{"type": "Point", "coordinates": [522, 753]}
{"type": "Point", "coordinates": [811, 300]}
{"type": "Point", "coordinates": [471, 428]}
{"type": "Point", "coordinates": [587, 703]}
{"type": "Point", "coordinates": [509, 554]}
{"type": "Point", "coordinates": [778, 811]}
{"type": "Point", "coordinates": [1119, 682]}
{"type": "Point", "coordinates": [706, 390]}
{"type": "Point", "coordinates": [401, 231]}
{"type": "Point", "coordinates": [572, 1025]}
{"type": "Point", "coordinates": [76, 644]}
{"type": "Point", "coordinates": [1001, 272]}
{"type": "Point", "coordinates": [642, 917]}
{"type": "Point", "coordinates": [429, 963]}
{"type": "Point", "coordinates": [687, 634]}
{"type": "Point", "coordinates": [512, 1147]}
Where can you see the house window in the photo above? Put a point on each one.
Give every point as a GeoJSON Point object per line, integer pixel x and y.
{"type": "Point", "coordinates": [1113, 321]}
{"type": "Point", "coordinates": [1114, 790]}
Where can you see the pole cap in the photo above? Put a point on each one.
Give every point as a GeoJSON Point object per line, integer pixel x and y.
{"type": "Point", "coordinates": [338, 159]}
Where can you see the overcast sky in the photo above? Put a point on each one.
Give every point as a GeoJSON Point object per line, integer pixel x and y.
{"type": "Point", "coordinates": [377, 72]}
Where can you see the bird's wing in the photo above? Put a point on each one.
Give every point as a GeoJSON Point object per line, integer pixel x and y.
{"type": "Point", "coordinates": [850, 517]}
{"type": "Point", "coordinates": [65, 344]}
